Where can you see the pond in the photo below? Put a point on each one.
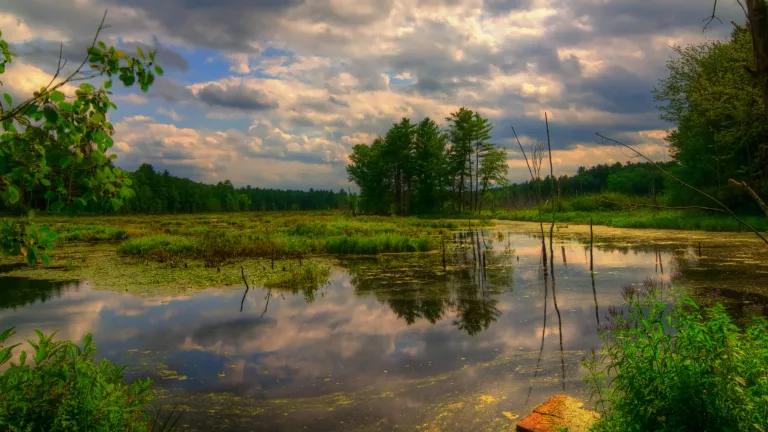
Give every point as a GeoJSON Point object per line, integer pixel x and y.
{"type": "Point", "coordinates": [398, 342]}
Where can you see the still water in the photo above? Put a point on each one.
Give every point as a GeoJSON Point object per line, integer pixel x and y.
{"type": "Point", "coordinates": [391, 343]}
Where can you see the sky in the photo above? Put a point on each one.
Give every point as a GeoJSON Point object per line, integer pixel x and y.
{"type": "Point", "coordinates": [275, 93]}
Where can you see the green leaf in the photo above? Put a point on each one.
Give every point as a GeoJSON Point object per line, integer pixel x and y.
{"type": "Point", "coordinates": [6, 334]}
{"type": "Point", "coordinates": [51, 115]}
{"type": "Point", "coordinates": [13, 194]}
{"type": "Point", "coordinates": [8, 99]}
{"type": "Point", "coordinates": [6, 353]}
{"type": "Point", "coordinates": [159, 70]}
{"type": "Point", "coordinates": [57, 96]}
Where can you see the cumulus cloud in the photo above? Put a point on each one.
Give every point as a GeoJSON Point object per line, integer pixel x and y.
{"type": "Point", "coordinates": [302, 82]}
{"type": "Point", "coordinates": [237, 96]}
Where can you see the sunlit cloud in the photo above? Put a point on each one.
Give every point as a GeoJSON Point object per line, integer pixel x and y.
{"type": "Point", "coordinates": [255, 88]}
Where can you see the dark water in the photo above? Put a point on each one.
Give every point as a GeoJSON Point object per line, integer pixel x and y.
{"type": "Point", "coordinates": [392, 343]}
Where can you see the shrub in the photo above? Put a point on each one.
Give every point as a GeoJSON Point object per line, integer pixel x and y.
{"type": "Point", "coordinates": [64, 389]}
{"type": "Point", "coordinates": [681, 368]}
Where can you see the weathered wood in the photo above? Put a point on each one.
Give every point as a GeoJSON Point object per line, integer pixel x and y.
{"type": "Point", "coordinates": [560, 412]}
{"type": "Point", "coordinates": [751, 192]}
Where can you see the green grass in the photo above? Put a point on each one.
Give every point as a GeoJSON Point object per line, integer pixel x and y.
{"type": "Point", "coordinates": [386, 243]}
{"type": "Point", "coordinates": [92, 233]}
{"type": "Point", "coordinates": [641, 218]}
{"type": "Point", "coordinates": [177, 253]}
{"type": "Point", "coordinates": [289, 236]}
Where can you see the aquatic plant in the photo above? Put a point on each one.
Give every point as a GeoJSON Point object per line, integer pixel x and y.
{"type": "Point", "coordinates": [680, 368]}
{"type": "Point", "coordinates": [92, 233]}
{"type": "Point", "coordinates": [60, 387]}
{"type": "Point", "coordinates": [303, 278]}
{"type": "Point", "coordinates": [376, 244]}
{"type": "Point", "coordinates": [161, 247]}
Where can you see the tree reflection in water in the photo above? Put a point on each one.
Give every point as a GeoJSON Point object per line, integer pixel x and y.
{"type": "Point", "coordinates": [417, 287]}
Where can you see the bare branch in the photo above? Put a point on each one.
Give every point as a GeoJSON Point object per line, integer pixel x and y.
{"type": "Point", "coordinates": [51, 87]}
{"type": "Point", "coordinates": [688, 185]}
{"type": "Point", "coordinates": [713, 17]}
{"type": "Point", "coordinates": [519, 144]}
{"type": "Point", "coordinates": [751, 192]}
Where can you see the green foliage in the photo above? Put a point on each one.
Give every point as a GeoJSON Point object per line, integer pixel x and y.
{"type": "Point", "coordinates": [419, 169]}
{"type": "Point", "coordinates": [718, 109]}
{"type": "Point", "coordinates": [377, 244]}
{"type": "Point", "coordinates": [640, 218]}
{"type": "Point", "coordinates": [216, 247]}
{"type": "Point", "coordinates": [22, 238]}
{"type": "Point", "coordinates": [160, 247]}
{"type": "Point", "coordinates": [632, 180]}
{"type": "Point", "coordinates": [160, 192]}
{"type": "Point", "coordinates": [684, 369]}
{"type": "Point", "coordinates": [92, 233]}
{"type": "Point", "coordinates": [54, 147]}
{"type": "Point", "coordinates": [304, 278]}
{"type": "Point", "coordinates": [58, 386]}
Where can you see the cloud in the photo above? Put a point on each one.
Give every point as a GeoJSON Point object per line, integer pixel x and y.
{"type": "Point", "coordinates": [302, 82]}
{"type": "Point", "coordinates": [237, 96]}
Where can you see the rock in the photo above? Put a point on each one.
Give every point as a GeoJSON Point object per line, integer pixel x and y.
{"type": "Point", "coordinates": [558, 413]}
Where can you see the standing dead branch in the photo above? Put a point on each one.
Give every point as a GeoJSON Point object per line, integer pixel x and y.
{"type": "Point", "coordinates": [755, 197]}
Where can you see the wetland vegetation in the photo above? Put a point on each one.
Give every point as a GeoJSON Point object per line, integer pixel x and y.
{"type": "Point", "coordinates": [419, 303]}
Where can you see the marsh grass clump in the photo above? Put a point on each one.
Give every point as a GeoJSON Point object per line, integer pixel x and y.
{"type": "Point", "coordinates": [162, 248]}
{"type": "Point", "coordinates": [680, 368]}
{"type": "Point", "coordinates": [60, 387]}
{"type": "Point", "coordinates": [296, 277]}
{"type": "Point", "coordinates": [93, 233]}
{"type": "Point", "coordinates": [376, 244]}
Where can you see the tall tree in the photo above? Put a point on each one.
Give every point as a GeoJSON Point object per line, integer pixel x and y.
{"type": "Point", "coordinates": [429, 170]}
{"type": "Point", "coordinates": [460, 134]}
{"type": "Point", "coordinates": [481, 128]}
{"type": "Point", "coordinates": [368, 170]}
{"type": "Point", "coordinates": [721, 129]}
{"type": "Point", "coordinates": [398, 150]}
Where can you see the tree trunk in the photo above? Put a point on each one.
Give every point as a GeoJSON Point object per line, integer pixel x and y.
{"type": "Point", "coordinates": [757, 19]}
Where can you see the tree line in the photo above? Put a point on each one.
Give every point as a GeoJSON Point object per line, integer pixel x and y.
{"type": "Point", "coordinates": [631, 179]}
{"type": "Point", "coordinates": [161, 192]}
{"type": "Point", "coordinates": [423, 168]}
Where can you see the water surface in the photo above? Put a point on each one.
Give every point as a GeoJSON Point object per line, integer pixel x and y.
{"type": "Point", "coordinates": [390, 343]}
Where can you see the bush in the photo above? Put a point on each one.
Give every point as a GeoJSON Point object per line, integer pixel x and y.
{"type": "Point", "coordinates": [64, 389]}
{"type": "Point", "coordinates": [682, 368]}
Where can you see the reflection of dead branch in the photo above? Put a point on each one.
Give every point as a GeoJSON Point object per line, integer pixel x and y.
{"type": "Point", "coordinates": [247, 288]}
